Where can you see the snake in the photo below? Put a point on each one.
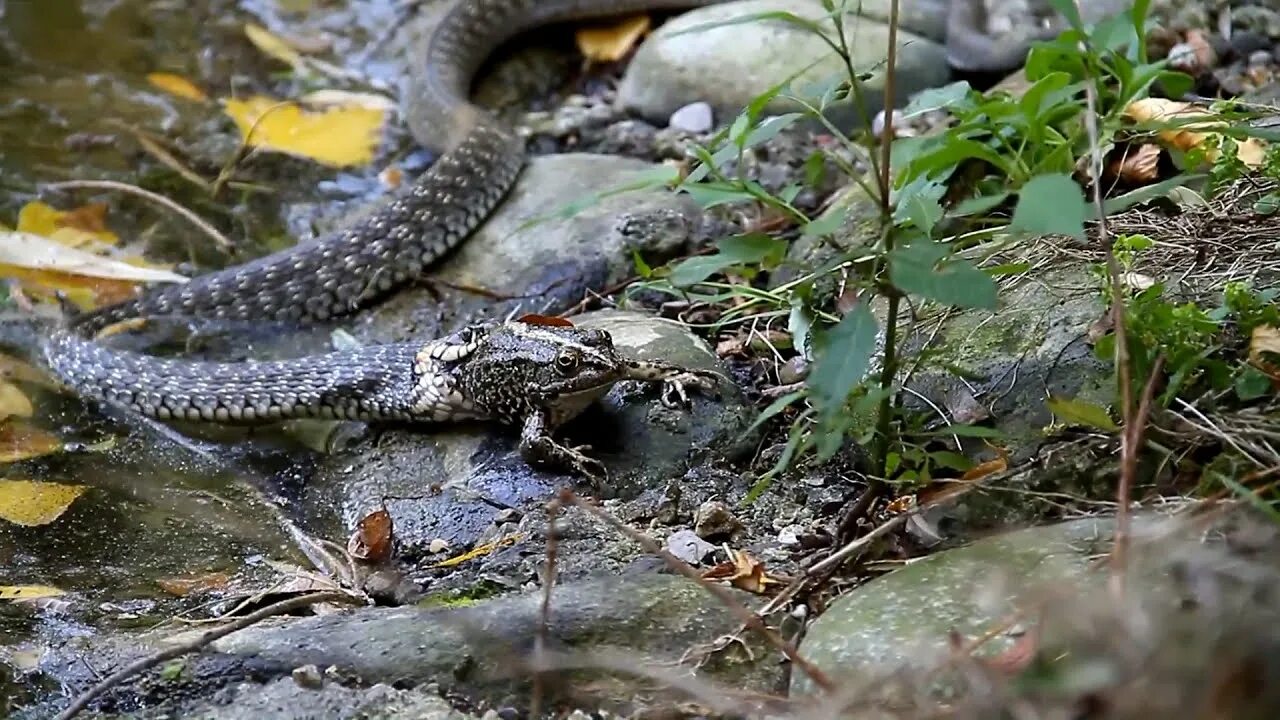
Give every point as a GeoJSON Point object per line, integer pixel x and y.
{"type": "Point", "coordinates": [479, 162]}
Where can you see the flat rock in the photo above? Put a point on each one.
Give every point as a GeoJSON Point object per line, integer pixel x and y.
{"type": "Point", "coordinates": [728, 66]}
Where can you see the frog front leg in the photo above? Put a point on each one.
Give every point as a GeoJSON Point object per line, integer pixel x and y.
{"type": "Point", "coordinates": [537, 447]}
{"type": "Point", "coordinates": [676, 380]}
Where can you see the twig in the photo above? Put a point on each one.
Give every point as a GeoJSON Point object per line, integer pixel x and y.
{"type": "Point", "coordinates": [218, 238]}
{"type": "Point", "coordinates": [544, 616]}
{"type": "Point", "coordinates": [854, 546]}
{"type": "Point", "coordinates": [745, 616]}
{"type": "Point", "coordinates": [204, 639]}
{"type": "Point", "coordinates": [1133, 430]}
{"type": "Point", "coordinates": [1128, 446]}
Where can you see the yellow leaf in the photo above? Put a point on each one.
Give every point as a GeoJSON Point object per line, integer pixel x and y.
{"type": "Point", "coordinates": [13, 402]}
{"type": "Point", "coordinates": [11, 368]}
{"type": "Point", "coordinates": [612, 43]}
{"type": "Point", "coordinates": [1188, 135]}
{"type": "Point", "coordinates": [20, 441]}
{"type": "Point", "coordinates": [480, 550]}
{"type": "Point", "coordinates": [177, 85]}
{"type": "Point", "coordinates": [26, 251]}
{"type": "Point", "coordinates": [84, 227]}
{"type": "Point", "coordinates": [339, 136]}
{"type": "Point", "coordinates": [272, 44]}
{"type": "Point", "coordinates": [28, 592]}
{"type": "Point", "coordinates": [28, 503]}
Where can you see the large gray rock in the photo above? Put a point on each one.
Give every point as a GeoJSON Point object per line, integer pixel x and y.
{"type": "Point", "coordinates": [1198, 603]}
{"type": "Point", "coordinates": [730, 65]}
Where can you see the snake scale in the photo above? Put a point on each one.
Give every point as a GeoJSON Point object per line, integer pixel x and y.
{"type": "Point", "coordinates": [479, 163]}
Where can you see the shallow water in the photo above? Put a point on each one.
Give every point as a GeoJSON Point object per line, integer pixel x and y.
{"type": "Point", "coordinates": [73, 96]}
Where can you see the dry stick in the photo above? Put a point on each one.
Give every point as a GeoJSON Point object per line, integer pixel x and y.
{"type": "Point", "coordinates": [218, 238]}
{"type": "Point", "coordinates": [544, 617]}
{"type": "Point", "coordinates": [204, 639]}
{"type": "Point", "coordinates": [1128, 448]}
{"type": "Point", "coordinates": [745, 616]}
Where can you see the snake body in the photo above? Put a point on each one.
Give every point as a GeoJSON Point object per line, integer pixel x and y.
{"type": "Point", "coordinates": [480, 161]}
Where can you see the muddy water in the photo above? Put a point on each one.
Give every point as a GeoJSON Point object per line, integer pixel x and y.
{"type": "Point", "coordinates": [74, 97]}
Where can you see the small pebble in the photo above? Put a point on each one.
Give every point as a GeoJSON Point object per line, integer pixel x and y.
{"type": "Point", "coordinates": [686, 545]}
{"type": "Point", "coordinates": [693, 118]}
{"type": "Point", "coordinates": [308, 676]}
{"type": "Point", "coordinates": [1260, 58]}
{"type": "Point", "coordinates": [877, 123]}
{"type": "Point", "coordinates": [793, 370]}
{"type": "Point", "coordinates": [438, 546]}
{"type": "Point", "coordinates": [714, 519]}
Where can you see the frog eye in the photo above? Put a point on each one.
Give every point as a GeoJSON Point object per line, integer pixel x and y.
{"type": "Point", "coordinates": [566, 361]}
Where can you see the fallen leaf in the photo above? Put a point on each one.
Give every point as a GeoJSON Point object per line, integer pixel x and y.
{"type": "Point", "coordinates": [1138, 165]}
{"type": "Point", "coordinates": [1078, 412]}
{"type": "Point", "coordinates": [30, 504]}
{"type": "Point", "coordinates": [177, 85]}
{"type": "Point", "coordinates": [82, 227]}
{"type": "Point", "coordinates": [373, 538]}
{"type": "Point", "coordinates": [273, 45]}
{"type": "Point", "coordinates": [612, 43]}
{"type": "Point", "coordinates": [480, 551]}
{"type": "Point", "coordinates": [1189, 135]}
{"type": "Point", "coordinates": [743, 572]}
{"type": "Point", "coordinates": [345, 98]}
{"type": "Point", "coordinates": [990, 467]}
{"type": "Point", "coordinates": [339, 136]}
{"type": "Point", "coordinates": [183, 586]}
{"type": "Point", "coordinates": [20, 441]}
{"type": "Point", "coordinates": [22, 251]}
{"type": "Point", "coordinates": [28, 592]}
{"type": "Point", "coordinates": [1265, 340]}
{"type": "Point", "coordinates": [14, 402]}
{"type": "Point", "coordinates": [13, 369]}
{"type": "Point", "coordinates": [549, 320]}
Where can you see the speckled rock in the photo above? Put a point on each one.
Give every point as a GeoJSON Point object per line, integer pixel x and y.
{"type": "Point", "coordinates": [903, 618]}
{"type": "Point", "coordinates": [728, 66]}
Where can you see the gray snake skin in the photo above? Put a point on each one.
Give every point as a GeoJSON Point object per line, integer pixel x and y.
{"type": "Point", "coordinates": [480, 161]}
{"type": "Point", "coordinates": [346, 270]}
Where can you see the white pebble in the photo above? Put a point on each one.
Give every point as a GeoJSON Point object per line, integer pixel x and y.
{"type": "Point", "coordinates": [693, 118]}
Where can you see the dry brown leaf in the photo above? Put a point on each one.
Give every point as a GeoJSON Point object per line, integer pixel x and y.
{"type": "Point", "coordinates": [990, 467]}
{"type": "Point", "coordinates": [30, 504]}
{"type": "Point", "coordinates": [1189, 135]}
{"type": "Point", "coordinates": [183, 586]}
{"type": "Point", "coordinates": [21, 441]}
{"type": "Point", "coordinates": [1139, 165]}
{"type": "Point", "coordinates": [177, 85]}
{"type": "Point", "coordinates": [373, 538]}
{"type": "Point", "coordinates": [1264, 341]}
{"type": "Point", "coordinates": [612, 43]}
{"type": "Point", "coordinates": [743, 572]}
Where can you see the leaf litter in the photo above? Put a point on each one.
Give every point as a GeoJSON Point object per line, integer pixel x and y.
{"type": "Point", "coordinates": [31, 504]}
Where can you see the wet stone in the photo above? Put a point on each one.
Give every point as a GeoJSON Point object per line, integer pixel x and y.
{"type": "Point", "coordinates": [728, 66]}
